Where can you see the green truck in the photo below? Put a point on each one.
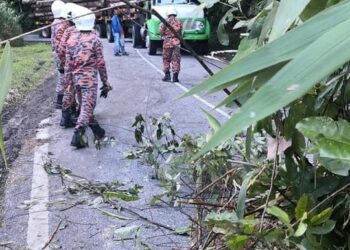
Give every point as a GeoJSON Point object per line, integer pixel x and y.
{"type": "Point", "coordinates": [196, 28]}
{"type": "Point", "coordinates": [141, 27]}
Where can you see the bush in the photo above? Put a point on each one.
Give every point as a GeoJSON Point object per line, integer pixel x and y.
{"type": "Point", "coordinates": [9, 24]}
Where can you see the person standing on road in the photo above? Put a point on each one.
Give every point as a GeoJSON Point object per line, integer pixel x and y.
{"type": "Point", "coordinates": [171, 47]}
{"type": "Point", "coordinates": [70, 106]}
{"type": "Point", "coordinates": [57, 30]}
{"type": "Point", "coordinates": [84, 60]}
{"type": "Point", "coordinates": [118, 34]}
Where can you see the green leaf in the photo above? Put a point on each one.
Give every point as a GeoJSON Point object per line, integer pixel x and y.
{"type": "Point", "coordinates": [249, 226]}
{"type": "Point", "coordinates": [316, 6]}
{"type": "Point", "coordinates": [246, 47]}
{"type": "Point", "coordinates": [2, 146]}
{"type": "Point", "coordinates": [222, 220]}
{"type": "Point", "coordinates": [321, 217]}
{"type": "Point", "coordinates": [248, 143]}
{"type": "Point", "coordinates": [183, 230]}
{"type": "Point", "coordinates": [242, 196]}
{"type": "Point", "coordinates": [274, 235]}
{"type": "Point", "coordinates": [317, 61]}
{"type": "Point", "coordinates": [280, 50]}
{"type": "Point", "coordinates": [326, 185]}
{"type": "Point", "coordinates": [237, 242]}
{"type": "Point", "coordinates": [336, 166]}
{"type": "Point", "coordinates": [304, 205]}
{"type": "Point", "coordinates": [331, 140]}
{"type": "Point", "coordinates": [280, 214]}
{"type": "Point", "coordinates": [288, 11]}
{"type": "Point", "coordinates": [301, 229]}
{"type": "Point", "coordinates": [325, 228]}
{"type": "Point", "coordinates": [6, 69]}
{"type": "Point", "coordinates": [124, 233]}
{"type": "Point", "coordinates": [311, 243]}
{"type": "Point", "coordinates": [112, 215]}
{"type": "Point", "coordinates": [214, 124]}
{"type": "Point", "coordinates": [250, 85]}
{"type": "Point", "coordinates": [120, 195]}
{"type": "Point", "coordinates": [315, 127]}
{"type": "Point", "coordinates": [268, 23]}
{"type": "Point", "coordinates": [221, 31]}
{"type": "Point", "coordinates": [156, 198]}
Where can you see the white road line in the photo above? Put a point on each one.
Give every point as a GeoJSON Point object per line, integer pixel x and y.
{"type": "Point", "coordinates": [38, 221]}
{"type": "Point", "coordinates": [220, 111]}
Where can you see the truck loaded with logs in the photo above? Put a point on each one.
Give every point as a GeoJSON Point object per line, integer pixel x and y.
{"type": "Point", "coordinates": [143, 28]}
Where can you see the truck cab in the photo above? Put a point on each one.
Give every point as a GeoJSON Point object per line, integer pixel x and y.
{"type": "Point", "coordinates": [196, 28]}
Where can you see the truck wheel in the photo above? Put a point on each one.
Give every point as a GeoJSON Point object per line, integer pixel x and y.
{"type": "Point", "coordinates": [136, 36]}
{"type": "Point", "coordinates": [203, 48]}
{"type": "Point", "coordinates": [151, 46]}
{"type": "Point", "coordinates": [110, 36]}
{"type": "Point", "coordinates": [46, 33]}
{"type": "Point", "coordinates": [101, 30]}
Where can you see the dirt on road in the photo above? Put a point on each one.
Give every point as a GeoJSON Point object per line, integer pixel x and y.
{"type": "Point", "coordinates": [20, 121]}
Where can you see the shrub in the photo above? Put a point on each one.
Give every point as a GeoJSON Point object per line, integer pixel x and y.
{"type": "Point", "coordinates": [9, 24]}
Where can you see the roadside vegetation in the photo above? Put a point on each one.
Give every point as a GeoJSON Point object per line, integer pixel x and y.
{"type": "Point", "coordinates": [23, 67]}
{"type": "Point", "coordinates": [276, 174]}
{"type": "Point", "coordinates": [31, 64]}
{"type": "Point", "coordinates": [9, 23]}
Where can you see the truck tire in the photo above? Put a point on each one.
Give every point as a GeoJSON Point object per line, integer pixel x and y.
{"type": "Point", "coordinates": [203, 48]}
{"type": "Point", "coordinates": [152, 46]}
{"type": "Point", "coordinates": [110, 36]}
{"type": "Point", "coordinates": [46, 33]}
{"type": "Point", "coordinates": [136, 36]}
{"type": "Point", "coordinates": [101, 30]}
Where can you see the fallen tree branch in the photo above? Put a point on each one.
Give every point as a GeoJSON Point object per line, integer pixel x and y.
{"type": "Point", "coordinates": [205, 204]}
{"type": "Point", "coordinates": [52, 236]}
{"type": "Point", "coordinates": [231, 171]}
{"type": "Point", "coordinates": [147, 220]}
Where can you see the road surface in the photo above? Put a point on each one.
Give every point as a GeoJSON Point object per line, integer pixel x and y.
{"type": "Point", "coordinates": [37, 211]}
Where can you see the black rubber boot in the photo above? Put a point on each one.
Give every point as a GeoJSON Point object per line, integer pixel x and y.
{"type": "Point", "coordinates": [79, 140]}
{"type": "Point", "coordinates": [99, 132]}
{"type": "Point", "coordinates": [59, 101]}
{"type": "Point", "coordinates": [66, 120]}
{"type": "Point", "coordinates": [166, 77]}
{"type": "Point", "coordinates": [176, 77]}
{"type": "Point", "coordinates": [75, 115]}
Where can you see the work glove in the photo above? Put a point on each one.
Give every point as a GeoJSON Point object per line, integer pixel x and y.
{"type": "Point", "coordinates": [105, 89]}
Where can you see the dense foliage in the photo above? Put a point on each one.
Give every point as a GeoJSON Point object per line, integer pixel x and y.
{"type": "Point", "coordinates": [9, 23]}
{"type": "Point", "coordinates": [284, 182]}
{"type": "Point", "coordinates": [24, 11]}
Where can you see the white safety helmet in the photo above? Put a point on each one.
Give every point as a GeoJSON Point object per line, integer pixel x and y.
{"type": "Point", "coordinates": [71, 9]}
{"type": "Point", "coordinates": [171, 11]}
{"type": "Point", "coordinates": [57, 9]}
{"type": "Point", "coordinates": [86, 22]}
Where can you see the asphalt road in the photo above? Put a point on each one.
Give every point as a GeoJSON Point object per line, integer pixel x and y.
{"type": "Point", "coordinates": [35, 203]}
